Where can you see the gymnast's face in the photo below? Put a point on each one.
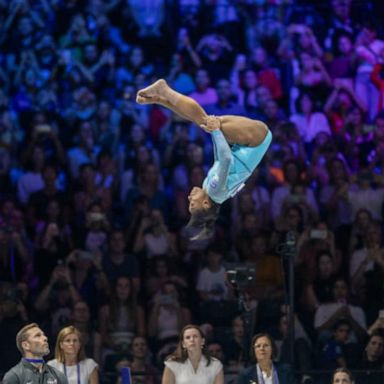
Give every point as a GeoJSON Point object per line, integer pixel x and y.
{"type": "Point", "coordinates": [198, 199]}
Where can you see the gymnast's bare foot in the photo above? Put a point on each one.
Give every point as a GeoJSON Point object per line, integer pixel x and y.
{"type": "Point", "coordinates": [154, 93]}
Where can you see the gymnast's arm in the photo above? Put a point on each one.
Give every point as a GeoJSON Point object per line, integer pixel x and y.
{"type": "Point", "coordinates": [223, 156]}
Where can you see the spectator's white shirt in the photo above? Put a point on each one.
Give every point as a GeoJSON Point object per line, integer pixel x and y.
{"type": "Point", "coordinates": [208, 281]}
{"type": "Point", "coordinates": [185, 374]}
{"type": "Point", "coordinates": [86, 366]}
{"type": "Point", "coordinates": [309, 128]}
{"type": "Point", "coordinates": [325, 311]}
{"type": "Point", "coordinates": [371, 199]}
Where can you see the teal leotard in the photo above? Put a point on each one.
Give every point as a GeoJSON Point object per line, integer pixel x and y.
{"type": "Point", "coordinates": [232, 166]}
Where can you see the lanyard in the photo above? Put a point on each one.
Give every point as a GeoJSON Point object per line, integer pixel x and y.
{"type": "Point", "coordinates": [35, 361]}
{"type": "Point", "coordinates": [78, 372]}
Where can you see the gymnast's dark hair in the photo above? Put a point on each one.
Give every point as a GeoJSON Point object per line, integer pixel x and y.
{"type": "Point", "coordinates": [204, 221]}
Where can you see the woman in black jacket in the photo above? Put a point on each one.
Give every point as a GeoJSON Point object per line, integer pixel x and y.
{"type": "Point", "coordinates": [263, 351]}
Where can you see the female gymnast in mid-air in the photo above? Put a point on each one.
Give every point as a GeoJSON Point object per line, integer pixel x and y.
{"type": "Point", "coordinates": [239, 145]}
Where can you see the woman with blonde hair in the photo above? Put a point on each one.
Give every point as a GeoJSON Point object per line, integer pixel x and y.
{"type": "Point", "coordinates": [71, 360]}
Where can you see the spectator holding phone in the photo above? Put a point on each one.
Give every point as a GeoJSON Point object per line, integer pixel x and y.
{"type": "Point", "coordinates": [327, 314]}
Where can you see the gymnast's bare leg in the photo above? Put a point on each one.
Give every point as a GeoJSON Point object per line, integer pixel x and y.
{"type": "Point", "coordinates": [236, 129]}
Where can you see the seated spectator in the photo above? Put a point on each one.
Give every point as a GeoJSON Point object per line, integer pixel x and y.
{"type": "Point", "coordinates": [333, 354]}
{"type": "Point", "coordinates": [215, 349]}
{"type": "Point", "coordinates": [140, 365]}
{"type": "Point", "coordinates": [235, 346]}
{"type": "Point", "coordinates": [121, 318]}
{"type": "Point", "coordinates": [263, 351]}
{"type": "Point", "coordinates": [211, 281]}
{"type": "Point", "coordinates": [373, 355]}
{"type": "Point", "coordinates": [303, 353]}
{"type": "Point", "coordinates": [168, 314]}
{"type": "Point", "coordinates": [70, 358]}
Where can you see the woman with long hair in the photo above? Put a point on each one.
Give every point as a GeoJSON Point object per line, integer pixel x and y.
{"type": "Point", "coordinates": [191, 363]}
{"type": "Point", "coordinates": [121, 318]}
{"type": "Point", "coordinates": [71, 360]}
{"type": "Point", "coordinates": [265, 371]}
{"type": "Point", "coordinates": [239, 145]}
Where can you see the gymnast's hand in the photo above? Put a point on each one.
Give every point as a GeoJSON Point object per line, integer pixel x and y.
{"type": "Point", "coordinates": [212, 123]}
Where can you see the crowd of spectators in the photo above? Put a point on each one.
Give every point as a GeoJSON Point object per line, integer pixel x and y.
{"type": "Point", "coordinates": [93, 187]}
